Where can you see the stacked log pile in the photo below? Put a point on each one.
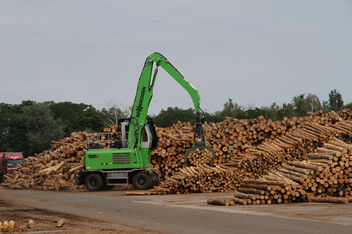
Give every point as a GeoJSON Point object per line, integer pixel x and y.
{"type": "Point", "coordinates": [201, 178]}
{"type": "Point", "coordinates": [56, 168]}
{"type": "Point", "coordinates": [233, 137]}
{"type": "Point", "coordinates": [268, 155]}
{"type": "Point", "coordinates": [199, 156]}
{"type": "Point", "coordinates": [293, 145]}
{"type": "Point", "coordinates": [173, 142]}
{"type": "Point", "coordinates": [244, 145]}
{"type": "Point", "coordinates": [273, 188]}
{"type": "Point", "coordinates": [283, 185]}
{"type": "Point", "coordinates": [345, 114]}
{"type": "Point", "coordinates": [263, 158]}
{"type": "Point", "coordinates": [228, 138]}
{"type": "Point", "coordinates": [53, 169]}
{"type": "Point", "coordinates": [335, 178]}
{"type": "Point", "coordinates": [324, 177]}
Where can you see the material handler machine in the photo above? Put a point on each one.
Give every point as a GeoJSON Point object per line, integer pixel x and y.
{"type": "Point", "coordinates": [128, 161]}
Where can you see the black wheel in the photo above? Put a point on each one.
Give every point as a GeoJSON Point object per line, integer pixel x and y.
{"type": "Point", "coordinates": [156, 180]}
{"type": "Point", "coordinates": [1, 178]}
{"type": "Point", "coordinates": [142, 181]}
{"type": "Point", "coordinates": [94, 182]}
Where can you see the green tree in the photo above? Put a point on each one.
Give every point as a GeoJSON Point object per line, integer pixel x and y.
{"type": "Point", "coordinates": [255, 112]}
{"type": "Point", "coordinates": [111, 115]}
{"type": "Point", "coordinates": [28, 127]}
{"type": "Point", "coordinates": [300, 105]}
{"type": "Point", "coordinates": [41, 127]}
{"type": "Point", "coordinates": [273, 112]}
{"type": "Point", "coordinates": [348, 106]}
{"type": "Point", "coordinates": [215, 117]}
{"type": "Point", "coordinates": [325, 106]}
{"type": "Point", "coordinates": [12, 129]}
{"type": "Point", "coordinates": [313, 103]}
{"type": "Point", "coordinates": [335, 100]}
{"type": "Point", "coordinates": [287, 110]}
{"type": "Point", "coordinates": [232, 110]}
{"type": "Point", "coordinates": [77, 117]}
{"type": "Point", "coordinates": [173, 114]}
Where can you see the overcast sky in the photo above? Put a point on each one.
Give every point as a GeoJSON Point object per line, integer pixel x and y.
{"type": "Point", "coordinates": [254, 52]}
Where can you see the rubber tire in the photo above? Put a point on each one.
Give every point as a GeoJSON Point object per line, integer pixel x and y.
{"type": "Point", "coordinates": [157, 180]}
{"type": "Point", "coordinates": [142, 181]}
{"type": "Point", "coordinates": [94, 182]}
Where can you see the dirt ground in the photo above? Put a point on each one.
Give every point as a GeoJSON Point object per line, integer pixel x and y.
{"type": "Point", "coordinates": [114, 212]}
{"type": "Point", "coordinates": [325, 212]}
{"type": "Point", "coordinates": [45, 221]}
{"type": "Point", "coordinates": [321, 212]}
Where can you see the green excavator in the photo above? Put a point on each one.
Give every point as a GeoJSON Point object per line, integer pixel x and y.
{"type": "Point", "coordinates": [128, 161]}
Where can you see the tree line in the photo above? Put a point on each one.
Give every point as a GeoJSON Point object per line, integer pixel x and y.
{"type": "Point", "coordinates": [29, 127]}
{"type": "Point", "coordinates": [299, 106]}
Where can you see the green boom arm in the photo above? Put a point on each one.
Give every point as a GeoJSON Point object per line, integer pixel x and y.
{"type": "Point", "coordinates": [144, 95]}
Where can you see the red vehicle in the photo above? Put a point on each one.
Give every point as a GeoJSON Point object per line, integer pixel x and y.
{"type": "Point", "coordinates": [9, 162]}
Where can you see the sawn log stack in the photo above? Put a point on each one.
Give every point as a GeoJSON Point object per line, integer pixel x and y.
{"type": "Point", "coordinates": [245, 149]}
